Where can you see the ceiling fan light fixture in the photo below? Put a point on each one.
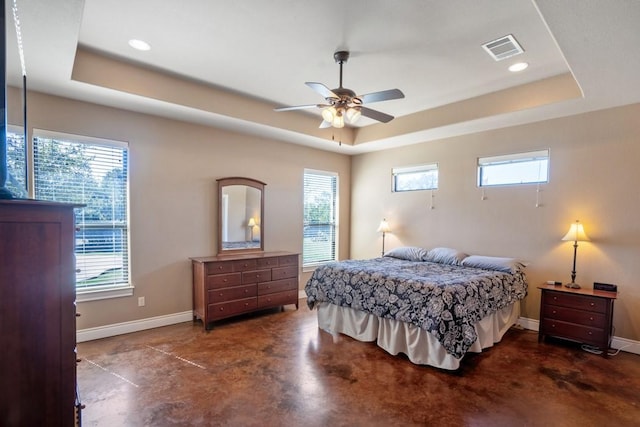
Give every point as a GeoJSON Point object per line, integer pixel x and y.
{"type": "Point", "coordinates": [338, 120]}
{"type": "Point", "coordinates": [329, 113]}
{"type": "Point", "coordinates": [353, 114]}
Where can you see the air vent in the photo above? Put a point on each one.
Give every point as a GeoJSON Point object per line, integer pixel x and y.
{"type": "Point", "coordinates": [503, 48]}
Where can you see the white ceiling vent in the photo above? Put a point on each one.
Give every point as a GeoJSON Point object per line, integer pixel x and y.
{"type": "Point", "coordinates": [503, 48]}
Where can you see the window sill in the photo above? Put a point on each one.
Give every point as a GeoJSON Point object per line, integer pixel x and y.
{"type": "Point", "coordinates": [108, 293]}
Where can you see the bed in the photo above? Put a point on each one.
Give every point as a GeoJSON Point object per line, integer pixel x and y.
{"type": "Point", "coordinates": [434, 306]}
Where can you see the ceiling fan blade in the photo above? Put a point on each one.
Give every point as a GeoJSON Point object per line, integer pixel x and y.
{"type": "Point", "coordinates": [376, 115]}
{"type": "Point", "coordinates": [322, 90]}
{"type": "Point", "coordinates": [325, 124]}
{"type": "Point", "coordinates": [297, 107]}
{"type": "Point", "coordinates": [384, 95]}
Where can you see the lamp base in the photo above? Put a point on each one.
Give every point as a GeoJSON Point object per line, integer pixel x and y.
{"type": "Point", "coordinates": [572, 285]}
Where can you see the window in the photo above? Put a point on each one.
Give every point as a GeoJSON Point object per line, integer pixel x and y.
{"type": "Point", "coordinates": [411, 178]}
{"type": "Point", "coordinates": [522, 168]}
{"type": "Point", "coordinates": [16, 163]}
{"type": "Point", "coordinates": [92, 172]}
{"type": "Point", "coordinates": [320, 217]}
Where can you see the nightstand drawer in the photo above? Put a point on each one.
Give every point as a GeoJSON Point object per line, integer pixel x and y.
{"type": "Point", "coordinates": [582, 317]}
{"type": "Point", "coordinates": [581, 302]}
{"type": "Point", "coordinates": [573, 331]}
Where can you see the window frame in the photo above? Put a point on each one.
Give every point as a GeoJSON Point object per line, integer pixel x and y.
{"type": "Point", "coordinates": [105, 291]}
{"type": "Point", "coordinates": [405, 170]}
{"type": "Point", "coordinates": [512, 159]}
{"type": "Point", "coordinates": [309, 266]}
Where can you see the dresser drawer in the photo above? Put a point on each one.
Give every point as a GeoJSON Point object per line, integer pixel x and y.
{"type": "Point", "coordinates": [224, 280]}
{"type": "Point", "coordinates": [573, 331]}
{"type": "Point", "coordinates": [229, 294]}
{"type": "Point", "coordinates": [256, 276]}
{"type": "Point", "coordinates": [222, 310]}
{"type": "Point", "coordinates": [581, 302]}
{"type": "Point", "coordinates": [288, 260]}
{"type": "Point", "coordinates": [245, 264]}
{"type": "Point", "coordinates": [284, 272]}
{"type": "Point", "coordinates": [277, 286]}
{"type": "Point", "coordinates": [582, 317]}
{"type": "Point", "coordinates": [267, 262]}
{"type": "Point", "coordinates": [280, 298]}
{"type": "Point", "coordinates": [219, 267]}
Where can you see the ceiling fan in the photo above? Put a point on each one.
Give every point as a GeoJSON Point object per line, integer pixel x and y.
{"type": "Point", "coordinates": [343, 103]}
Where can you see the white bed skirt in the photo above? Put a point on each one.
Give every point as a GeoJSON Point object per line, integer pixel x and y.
{"type": "Point", "coordinates": [395, 337]}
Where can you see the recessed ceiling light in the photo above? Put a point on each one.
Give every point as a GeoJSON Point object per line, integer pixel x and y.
{"type": "Point", "coordinates": [518, 66]}
{"type": "Point", "coordinates": [139, 44]}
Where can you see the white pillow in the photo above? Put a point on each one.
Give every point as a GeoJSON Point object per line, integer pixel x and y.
{"type": "Point", "coordinates": [445, 256]}
{"type": "Point", "coordinates": [409, 253]}
{"type": "Point", "coordinates": [508, 265]}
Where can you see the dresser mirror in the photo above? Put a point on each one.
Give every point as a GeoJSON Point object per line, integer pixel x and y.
{"type": "Point", "coordinates": [240, 215]}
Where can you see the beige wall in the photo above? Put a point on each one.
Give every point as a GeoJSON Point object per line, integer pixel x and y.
{"type": "Point", "coordinates": [173, 171]}
{"type": "Point", "coordinates": [594, 173]}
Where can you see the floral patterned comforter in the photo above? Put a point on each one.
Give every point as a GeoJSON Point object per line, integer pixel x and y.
{"type": "Point", "coordinates": [445, 300]}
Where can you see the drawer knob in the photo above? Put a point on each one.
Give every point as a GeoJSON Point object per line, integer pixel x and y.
{"type": "Point", "coordinates": [554, 312]}
{"type": "Point", "coordinates": [221, 294]}
{"type": "Point", "coordinates": [555, 298]}
{"type": "Point", "coordinates": [590, 333]}
{"type": "Point", "coordinates": [246, 291]}
{"type": "Point", "coordinates": [257, 276]}
{"type": "Point", "coordinates": [591, 318]}
{"type": "Point", "coordinates": [246, 304]}
{"type": "Point", "coordinates": [591, 304]}
{"type": "Point", "coordinates": [219, 267]}
{"type": "Point", "coordinates": [221, 308]}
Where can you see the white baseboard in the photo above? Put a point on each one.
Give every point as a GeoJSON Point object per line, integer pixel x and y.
{"type": "Point", "coordinates": [623, 344]}
{"type": "Point", "coordinates": [133, 326]}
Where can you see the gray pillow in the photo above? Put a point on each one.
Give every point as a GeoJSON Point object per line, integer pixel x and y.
{"type": "Point", "coordinates": [508, 265]}
{"type": "Point", "coordinates": [445, 256]}
{"type": "Point", "coordinates": [409, 253]}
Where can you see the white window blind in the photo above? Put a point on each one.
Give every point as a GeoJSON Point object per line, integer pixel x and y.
{"type": "Point", "coordinates": [412, 178]}
{"type": "Point", "coordinates": [519, 168]}
{"type": "Point", "coordinates": [92, 172]}
{"type": "Point", "coordinates": [320, 217]}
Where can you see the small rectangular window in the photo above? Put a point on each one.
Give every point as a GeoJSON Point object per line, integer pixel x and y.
{"type": "Point", "coordinates": [412, 178]}
{"type": "Point", "coordinates": [521, 168]}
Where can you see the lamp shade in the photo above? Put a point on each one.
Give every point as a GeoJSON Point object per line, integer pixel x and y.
{"type": "Point", "coordinates": [252, 222]}
{"type": "Point", "coordinates": [384, 227]}
{"type": "Point", "coordinates": [576, 233]}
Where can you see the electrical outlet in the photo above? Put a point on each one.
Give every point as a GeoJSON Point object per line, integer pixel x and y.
{"type": "Point", "coordinates": [140, 301]}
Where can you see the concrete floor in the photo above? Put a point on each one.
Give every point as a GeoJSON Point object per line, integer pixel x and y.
{"type": "Point", "coordinates": [278, 369]}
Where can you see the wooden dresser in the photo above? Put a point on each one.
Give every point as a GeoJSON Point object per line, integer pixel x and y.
{"type": "Point", "coordinates": [582, 315]}
{"type": "Point", "coordinates": [228, 285]}
{"type": "Point", "coordinates": [37, 314]}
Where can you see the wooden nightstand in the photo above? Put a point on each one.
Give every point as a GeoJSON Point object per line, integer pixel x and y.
{"type": "Point", "coordinates": [582, 315]}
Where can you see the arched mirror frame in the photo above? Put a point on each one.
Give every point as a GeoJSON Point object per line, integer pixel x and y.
{"type": "Point", "coordinates": [259, 222]}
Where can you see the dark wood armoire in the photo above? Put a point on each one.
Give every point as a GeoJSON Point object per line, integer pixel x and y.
{"type": "Point", "coordinates": [37, 314]}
